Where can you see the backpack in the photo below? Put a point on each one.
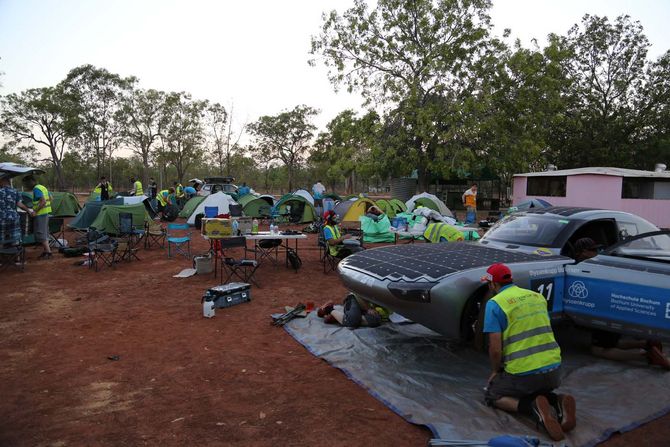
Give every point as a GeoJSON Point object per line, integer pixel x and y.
{"type": "Point", "coordinates": [293, 259]}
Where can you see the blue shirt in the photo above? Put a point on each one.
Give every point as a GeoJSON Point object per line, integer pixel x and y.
{"type": "Point", "coordinates": [190, 190]}
{"type": "Point", "coordinates": [243, 190]}
{"type": "Point", "coordinates": [495, 321]}
{"type": "Point", "coordinates": [37, 194]}
{"type": "Point", "coordinates": [327, 234]}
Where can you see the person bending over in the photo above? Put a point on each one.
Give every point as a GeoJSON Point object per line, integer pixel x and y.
{"type": "Point", "coordinates": [525, 358]}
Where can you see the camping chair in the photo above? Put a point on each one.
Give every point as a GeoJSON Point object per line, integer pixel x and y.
{"type": "Point", "coordinates": [101, 254]}
{"type": "Point", "coordinates": [154, 234]}
{"type": "Point", "coordinates": [244, 269]}
{"type": "Point", "coordinates": [267, 249]}
{"type": "Point", "coordinates": [12, 253]}
{"type": "Point", "coordinates": [329, 261]}
{"type": "Point", "coordinates": [130, 237]}
{"type": "Point", "coordinates": [182, 244]}
{"type": "Point", "coordinates": [56, 232]}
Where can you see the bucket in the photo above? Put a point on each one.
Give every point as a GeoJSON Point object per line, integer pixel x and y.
{"type": "Point", "coordinates": [203, 264]}
{"type": "Point", "coordinates": [211, 211]}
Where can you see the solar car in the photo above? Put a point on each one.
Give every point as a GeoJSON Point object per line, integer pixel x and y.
{"type": "Point", "coordinates": [625, 288]}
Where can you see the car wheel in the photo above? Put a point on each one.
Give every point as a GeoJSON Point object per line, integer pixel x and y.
{"type": "Point", "coordinates": [472, 319]}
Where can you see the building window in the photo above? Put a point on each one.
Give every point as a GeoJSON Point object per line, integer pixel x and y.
{"type": "Point", "coordinates": [550, 186]}
{"type": "Point", "coordinates": [645, 188]}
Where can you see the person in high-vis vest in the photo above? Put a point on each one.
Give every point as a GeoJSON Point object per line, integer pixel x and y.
{"type": "Point", "coordinates": [41, 210]}
{"type": "Point", "coordinates": [179, 194]}
{"type": "Point", "coordinates": [166, 197]}
{"type": "Point", "coordinates": [137, 187]}
{"type": "Point", "coordinates": [103, 189]}
{"type": "Point", "coordinates": [525, 358]}
{"type": "Point", "coordinates": [470, 202]}
{"type": "Point", "coordinates": [335, 239]}
{"type": "Point", "coordinates": [442, 232]}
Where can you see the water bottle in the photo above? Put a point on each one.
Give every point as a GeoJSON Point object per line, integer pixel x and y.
{"type": "Point", "coordinates": [236, 227]}
{"type": "Point", "coordinates": [207, 306]}
{"type": "Point", "coordinates": [254, 226]}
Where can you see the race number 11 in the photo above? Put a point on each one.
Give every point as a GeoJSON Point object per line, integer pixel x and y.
{"type": "Point", "coordinates": [545, 287]}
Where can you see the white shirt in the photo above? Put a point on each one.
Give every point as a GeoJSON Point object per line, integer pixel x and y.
{"type": "Point", "coordinates": [318, 188]}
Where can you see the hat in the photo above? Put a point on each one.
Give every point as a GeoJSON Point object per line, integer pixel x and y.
{"type": "Point", "coordinates": [586, 243]}
{"type": "Point", "coordinates": [498, 273]}
{"type": "Point", "coordinates": [328, 215]}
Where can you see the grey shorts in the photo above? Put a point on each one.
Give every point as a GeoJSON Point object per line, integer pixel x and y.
{"type": "Point", "coordinates": [41, 228]}
{"type": "Point", "coordinates": [510, 385]}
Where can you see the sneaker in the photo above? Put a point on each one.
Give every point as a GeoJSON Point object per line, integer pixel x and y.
{"type": "Point", "coordinates": [329, 319]}
{"type": "Point", "coordinates": [326, 309]}
{"type": "Point", "coordinates": [567, 412]}
{"type": "Point", "coordinates": [543, 415]}
{"type": "Point", "coordinates": [656, 357]}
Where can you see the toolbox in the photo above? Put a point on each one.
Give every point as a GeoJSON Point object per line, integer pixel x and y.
{"type": "Point", "coordinates": [227, 295]}
{"type": "Point", "coordinates": [216, 228]}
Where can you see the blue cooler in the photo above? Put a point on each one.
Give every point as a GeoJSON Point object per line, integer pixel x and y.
{"type": "Point", "coordinates": [211, 211]}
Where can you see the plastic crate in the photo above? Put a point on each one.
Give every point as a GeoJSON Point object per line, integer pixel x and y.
{"type": "Point", "coordinates": [228, 295]}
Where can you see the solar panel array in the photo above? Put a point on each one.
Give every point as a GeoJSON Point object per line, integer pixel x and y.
{"type": "Point", "coordinates": [431, 262]}
{"type": "Point", "coordinates": [559, 210]}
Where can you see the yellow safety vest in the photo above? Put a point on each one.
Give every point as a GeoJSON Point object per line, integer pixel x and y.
{"type": "Point", "coordinates": [162, 197]}
{"type": "Point", "coordinates": [47, 198]}
{"type": "Point", "coordinates": [138, 188]}
{"type": "Point", "coordinates": [435, 231]}
{"type": "Point", "coordinates": [471, 200]}
{"type": "Point", "coordinates": [98, 189]}
{"type": "Point", "coordinates": [335, 231]}
{"type": "Point", "coordinates": [528, 341]}
{"type": "Point", "coordinates": [179, 191]}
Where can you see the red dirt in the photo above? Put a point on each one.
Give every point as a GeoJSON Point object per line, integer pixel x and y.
{"type": "Point", "coordinates": [181, 379]}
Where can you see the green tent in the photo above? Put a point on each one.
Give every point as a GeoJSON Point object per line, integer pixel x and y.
{"type": "Point", "coordinates": [398, 205]}
{"type": "Point", "coordinates": [386, 207]}
{"type": "Point", "coordinates": [256, 206]}
{"type": "Point", "coordinates": [89, 213]}
{"type": "Point", "coordinates": [376, 231]}
{"type": "Point", "coordinates": [64, 204]}
{"type": "Point", "coordinates": [295, 208]}
{"type": "Point", "coordinates": [332, 195]}
{"type": "Point", "coordinates": [108, 218]}
{"type": "Point", "coordinates": [190, 206]}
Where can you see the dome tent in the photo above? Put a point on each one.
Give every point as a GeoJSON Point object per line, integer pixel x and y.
{"type": "Point", "coordinates": [190, 206]}
{"type": "Point", "coordinates": [296, 207]}
{"type": "Point", "coordinates": [304, 193]}
{"type": "Point", "coordinates": [429, 201]}
{"type": "Point", "coordinates": [257, 206]}
{"type": "Point", "coordinates": [221, 200]}
{"type": "Point", "coordinates": [398, 205]}
{"type": "Point", "coordinates": [107, 220]}
{"type": "Point", "coordinates": [351, 210]}
{"type": "Point", "coordinates": [391, 207]}
{"type": "Point", "coordinates": [89, 213]}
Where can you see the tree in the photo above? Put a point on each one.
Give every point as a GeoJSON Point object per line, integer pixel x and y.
{"type": "Point", "coordinates": [143, 117]}
{"type": "Point", "coordinates": [346, 147]}
{"type": "Point", "coordinates": [49, 112]}
{"type": "Point", "coordinates": [99, 95]}
{"type": "Point", "coordinates": [23, 155]}
{"type": "Point", "coordinates": [183, 137]}
{"type": "Point", "coordinates": [418, 57]}
{"type": "Point", "coordinates": [285, 137]}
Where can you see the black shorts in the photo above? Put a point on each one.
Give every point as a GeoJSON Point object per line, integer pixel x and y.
{"type": "Point", "coordinates": [604, 339]}
{"type": "Point", "coordinates": [510, 385]}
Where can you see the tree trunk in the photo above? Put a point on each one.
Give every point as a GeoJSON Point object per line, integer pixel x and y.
{"type": "Point", "coordinates": [145, 166]}
{"type": "Point", "coordinates": [290, 177]}
{"type": "Point", "coordinates": [424, 179]}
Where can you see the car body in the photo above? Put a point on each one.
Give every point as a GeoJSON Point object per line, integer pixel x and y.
{"type": "Point", "coordinates": [625, 288]}
{"type": "Point", "coordinates": [215, 184]}
{"type": "Point", "coordinates": [14, 170]}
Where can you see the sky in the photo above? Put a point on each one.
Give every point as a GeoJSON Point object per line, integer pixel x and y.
{"type": "Point", "coordinates": [249, 54]}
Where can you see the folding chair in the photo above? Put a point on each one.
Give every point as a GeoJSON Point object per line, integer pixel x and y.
{"type": "Point", "coordinates": [101, 254]}
{"type": "Point", "coordinates": [56, 231]}
{"type": "Point", "coordinates": [267, 249]}
{"type": "Point", "coordinates": [182, 244]}
{"type": "Point", "coordinates": [12, 253]}
{"type": "Point", "coordinates": [329, 261]}
{"type": "Point", "coordinates": [244, 269]}
{"type": "Point", "coordinates": [154, 234]}
{"type": "Point", "coordinates": [130, 237]}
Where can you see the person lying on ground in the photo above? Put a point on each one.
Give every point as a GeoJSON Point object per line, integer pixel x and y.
{"type": "Point", "coordinates": [610, 345]}
{"type": "Point", "coordinates": [335, 239]}
{"type": "Point", "coordinates": [354, 312]}
{"type": "Point", "coordinates": [525, 358]}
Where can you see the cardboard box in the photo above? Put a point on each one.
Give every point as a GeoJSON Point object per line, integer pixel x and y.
{"type": "Point", "coordinates": [216, 228]}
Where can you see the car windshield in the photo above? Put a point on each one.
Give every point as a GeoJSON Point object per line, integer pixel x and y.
{"type": "Point", "coordinates": [653, 247]}
{"type": "Point", "coordinates": [529, 229]}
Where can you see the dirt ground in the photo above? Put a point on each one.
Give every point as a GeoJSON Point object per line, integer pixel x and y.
{"type": "Point", "coordinates": [180, 379]}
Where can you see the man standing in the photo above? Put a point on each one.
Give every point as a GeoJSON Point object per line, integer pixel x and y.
{"type": "Point", "coordinates": [470, 202]}
{"type": "Point", "coordinates": [10, 229]}
{"type": "Point", "coordinates": [137, 187]}
{"type": "Point", "coordinates": [525, 358]}
{"type": "Point", "coordinates": [104, 188]}
{"type": "Point", "coordinates": [41, 210]}
{"type": "Point", "coordinates": [243, 190]}
{"type": "Point", "coordinates": [179, 194]}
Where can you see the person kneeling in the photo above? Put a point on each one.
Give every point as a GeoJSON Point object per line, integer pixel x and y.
{"type": "Point", "coordinates": [525, 358]}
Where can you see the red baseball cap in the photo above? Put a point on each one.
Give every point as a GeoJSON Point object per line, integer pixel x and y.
{"type": "Point", "coordinates": [328, 214]}
{"type": "Point", "coordinates": [499, 273]}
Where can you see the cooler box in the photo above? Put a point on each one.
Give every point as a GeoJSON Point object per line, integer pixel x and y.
{"type": "Point", "coordinates": [228, 295]}
{"type": "Point", "coordinates": [217, 228]}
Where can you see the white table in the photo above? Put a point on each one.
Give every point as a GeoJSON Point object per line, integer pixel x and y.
{"type": "Point", "coordinates": [266, 235]}
{"type": "Point", "coordinates": [411, 234]}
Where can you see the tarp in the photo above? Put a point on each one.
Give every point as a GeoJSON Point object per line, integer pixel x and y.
{"type": "Point", "coordinates": [305, 194]}
{"type": "Point", "coordinates": [257, 206]}
{"type": "Point", "coordinates": [352, 210]}
{"type": "Point", "coordinates": [190, 206]}
{"type": "Point", "coordinates": [108, 218]}
{"type": "Point", "coordinates": [132, 200]}
{"type": "Point", "coordinates": [429, 201]}
{"type": "Point", "coordinates": [89, 213]}
{"type": "Point", "coordinates": [219, 199]}
{"type": "Point", "coordinates": [296, 208]}
{"type": "Point", "coordinates": [429, 381]}
{"type": "Point", "coordinates": [376, 231]}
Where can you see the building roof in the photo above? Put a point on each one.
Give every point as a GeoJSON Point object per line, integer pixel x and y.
{"type": "Point", "coordinates": [615, 172]}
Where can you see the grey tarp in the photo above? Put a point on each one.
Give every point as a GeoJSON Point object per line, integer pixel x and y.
{"type": "Point", "coordinates": [430, 381]}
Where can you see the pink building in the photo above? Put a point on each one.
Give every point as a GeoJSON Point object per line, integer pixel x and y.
{"type": "Point", "coordinates": [644, 193]}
